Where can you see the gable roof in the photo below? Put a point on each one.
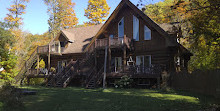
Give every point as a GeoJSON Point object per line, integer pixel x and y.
{"type": "Point", "coordinates": [80, 36]}
{"type": "Point", "coordinates": [168, 39]}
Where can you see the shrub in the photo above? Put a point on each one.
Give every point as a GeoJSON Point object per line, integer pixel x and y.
{"type": "Point", "coordinates": [124, 82]}
{"type": "Point", "coordinates": [10, 98]}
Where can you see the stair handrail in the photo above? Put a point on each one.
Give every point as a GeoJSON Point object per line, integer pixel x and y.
{"type": "Point", "coordinates": [61, 73]}
{"type": "Point", "coordinates": [95, 76]}
{"type": "Point", "coordinates": [24, 69]}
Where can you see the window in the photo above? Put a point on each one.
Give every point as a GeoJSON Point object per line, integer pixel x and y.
{"type": "Point", "coordinates": [143, 60]}
{"type": "Point", "coordinates": [121, 28]}
{"type": "Point", "coordinates": [111, 36]}
{"type": "Point", "coordinates": [62, 44]}
{"type": "Point", "coordinates": [135, 28]}
{"type": "Point", "coordinates": [147, 33]}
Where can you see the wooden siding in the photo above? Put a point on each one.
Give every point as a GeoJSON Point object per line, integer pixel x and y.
{"type": "Point", "coordinates": [67, 57]}
{"type": "Point", "coordinates": [156, 47]}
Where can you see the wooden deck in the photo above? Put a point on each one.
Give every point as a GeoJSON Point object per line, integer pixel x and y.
{"type": "Point", "coordinates": [53, 48]}
{"type": "Point", "coordinates": [116, 42]}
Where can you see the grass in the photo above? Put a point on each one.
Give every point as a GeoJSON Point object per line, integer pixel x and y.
{"type": "Point", "coordinates": [80, 99]}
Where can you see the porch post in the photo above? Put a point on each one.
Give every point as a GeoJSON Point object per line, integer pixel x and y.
{"type": "Point", "coordinates": [95, 58]}
{"type": "Point", "coordinates": [124, 52]}
{"type": "Point", "coordinates": [104, 77]}
{"type": "Point", "coordinates": [109, 55]}
{"type": "Point", "coordinates": [48, 58]}
{"type": "Point", "coordinates": [38, 64]}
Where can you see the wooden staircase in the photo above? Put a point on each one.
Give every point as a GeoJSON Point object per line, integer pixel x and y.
{"type": "Point", "coordinates": [26, 66]}
{"type": "Point", "coordinates": [94, 79]}
{"type": "Point", "coordinates": [61, 79]}
{"type": "Point", "coordinates": [78, 67]}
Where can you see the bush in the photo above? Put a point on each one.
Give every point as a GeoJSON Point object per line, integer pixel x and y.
{"type": "Point", "coordinates": [124, 82]}
{"type": "Point", "coordinates": [10, 98]}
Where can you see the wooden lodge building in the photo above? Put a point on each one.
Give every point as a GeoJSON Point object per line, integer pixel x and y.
{"type": "Point", "coordinates": [128, 43]}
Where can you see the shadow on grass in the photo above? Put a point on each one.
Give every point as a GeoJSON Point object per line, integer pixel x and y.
{"type": "Point", "coordinates": [80, 99]}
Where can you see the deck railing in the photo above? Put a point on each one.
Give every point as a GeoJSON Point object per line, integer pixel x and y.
{"type": "Point", "coordinates": [110, 42]}
{"type": "Point", "coordinates": [115, 41]}
{"type": "Point", "coordinates": [53, 47]}
{"type": "Point", "coordinates": [137, 69]}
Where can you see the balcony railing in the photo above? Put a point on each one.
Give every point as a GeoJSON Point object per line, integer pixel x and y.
{"type": "Point", "coordinates": [54, 48]}
{"type": "Point", "coordinates": [110, 42]}
{"type": "Point", "coordinates": [137, 69]}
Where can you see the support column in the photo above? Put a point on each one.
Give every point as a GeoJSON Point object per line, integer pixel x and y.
{"type": "Point", "coordinates": [124, 52]}
{"type": "Point", "coordinates": [95, 58]}
{"type": "Point", "coordinates": [104, 77]}
{"type": "Point", "coordinates": [38, 64]}
{"type": "Point", "coordinates": [48, 58]}
{"type": "Point", "coordinates": [109, 55]}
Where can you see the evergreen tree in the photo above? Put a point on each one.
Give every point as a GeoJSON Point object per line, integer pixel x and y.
{"type": "Point", "coordinates": [15, 11]}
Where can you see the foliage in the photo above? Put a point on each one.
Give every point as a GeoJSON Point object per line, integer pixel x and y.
{"type": "Point", "coordinates": [15, 11]}
{"type": "Point", "coordinates": [7, 57]}
{"type": "Point", "coordinates": [35, 81]}
{"type": "Point", "coordinates": [62, 15]}
{"type": "Point", "coordinates": [199, 22]}
{"type": "Point", "coordinates": [11, 98]}
{"type": "Point", "coordinates": [96, 11]}
{"type": "Point", "coordinates": [124, 82]}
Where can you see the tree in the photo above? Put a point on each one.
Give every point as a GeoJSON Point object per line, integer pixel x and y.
{"type": "Point", "coordinates": [15, 11]}
{"type": "Point", "coordinates": [69, 19]}
{"type": "Point", "coordinates": [62, 15]}
{"type": "Point", "coordinates": [199, 20]}
{"type": "Point", "coordinates": [7, 57]}
{"type": "Point", "coordinates": [96, 11]}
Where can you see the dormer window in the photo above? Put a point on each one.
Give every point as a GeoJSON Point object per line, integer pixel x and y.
{"type": "Point", "coordinates": [62, 44]}
{"type": "Point", "coordinates": [147, 33]}
{"type": "Point", "coordinates": [121, 28]}
{"type": "Point", "coordinates": [135, 28]}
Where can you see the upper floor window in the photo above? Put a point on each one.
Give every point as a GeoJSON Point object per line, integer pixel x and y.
{"type": "Point", "coordinates": [62, 44]}
{"type": "Point", "coordinates": [135, 28]}
{"type": "Point", "coordinates": [147, 33]}
{"type": "Point", "coordinates": [121, 28]}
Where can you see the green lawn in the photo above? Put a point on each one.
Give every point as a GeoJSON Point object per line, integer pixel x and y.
{"type": "Point", "coordinates": [80, 99]}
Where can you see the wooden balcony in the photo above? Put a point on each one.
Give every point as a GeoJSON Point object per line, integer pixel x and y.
{"type": "Point", "coordinates": [116, 42]}
{"type": "Point", "coordinates": [54, 48]}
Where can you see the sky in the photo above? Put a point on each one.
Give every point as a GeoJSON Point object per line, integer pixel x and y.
{"type": "Point", "coordinates": [36, 17]}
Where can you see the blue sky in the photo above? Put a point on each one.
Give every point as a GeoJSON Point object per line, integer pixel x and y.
{"type": "Point", "coordinates": [35, 19]}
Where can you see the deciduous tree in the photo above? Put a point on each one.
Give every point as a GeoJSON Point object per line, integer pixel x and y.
{"type": "Point", "coordinates": [61, 14]}
{"type": "Point", "coordinates": [96, 11]}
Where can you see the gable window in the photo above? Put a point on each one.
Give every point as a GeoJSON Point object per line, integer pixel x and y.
{"type": "Point", "coordinates": [121, 28]}
{"type": "Point", "coordinates": [135, 28]}
{"type": "Point", "coordinates": [147, 33]}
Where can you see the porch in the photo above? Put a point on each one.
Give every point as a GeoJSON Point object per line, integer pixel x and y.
{"type": "Point", "coordinates": [136, 71]}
